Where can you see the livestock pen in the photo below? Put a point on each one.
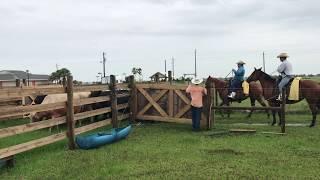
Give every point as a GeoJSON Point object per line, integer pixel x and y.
{"type": "Point", "coordinates": [172, 150]}
{"type": "Point", "coordinates": [7, 154]}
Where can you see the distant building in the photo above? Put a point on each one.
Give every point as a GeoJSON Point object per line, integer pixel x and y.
{"type": "Point", "coordinates": [158, 77]}
{"type": "Point", "coordinates": [13, 78]}
{"type": "Point", "coordinates": [119, 79]}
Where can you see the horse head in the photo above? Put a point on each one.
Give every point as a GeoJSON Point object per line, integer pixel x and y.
{"type": "Point", "coordinates": [209, 82]}
{"type": "Point", "coordinates": [255, 76]}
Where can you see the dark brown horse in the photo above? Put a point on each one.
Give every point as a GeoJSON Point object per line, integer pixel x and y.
{"type": "Point", "coordinates": [255, 93]}
{"type": "Point", "coordinates": [309, 90]}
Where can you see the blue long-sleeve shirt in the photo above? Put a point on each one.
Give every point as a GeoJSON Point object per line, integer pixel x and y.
{"type": "Point", "coordinates": [239, 74]}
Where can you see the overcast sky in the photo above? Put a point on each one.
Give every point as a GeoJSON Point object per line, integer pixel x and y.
{"type": "Point", "coordinates": [38, 34]}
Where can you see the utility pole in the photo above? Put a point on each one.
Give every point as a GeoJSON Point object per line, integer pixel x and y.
{"type": "Point", "coordinates": [195, 63]}
{"type": "Point", "coordinates": [57, 67]}
{"type": "Point", "coordinates": [264, 62]}
{"type": "Point", "coordinates": [172, 67]}
{"type": "Point", "coordinates": [104, 64]}
{"type": "Point", "coordinates": [165, 69]}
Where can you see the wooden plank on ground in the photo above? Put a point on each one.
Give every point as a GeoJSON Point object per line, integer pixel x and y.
{"type": "Point", "coordinates": [165, 119]}
{"type": "Point", "coordinates": [154, 104]}
{"type": "Point", "coordinates": [273, 133]}
{"type": "Point", "coordinates": [242, 130]}
{"type": "Point", "coordinates": [156, 98]}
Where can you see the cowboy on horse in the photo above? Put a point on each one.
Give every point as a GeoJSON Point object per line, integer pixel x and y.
{"type": "Point", "coordinates": [285, 69]}
{"type": "Point", "coordinates": [237, 80]}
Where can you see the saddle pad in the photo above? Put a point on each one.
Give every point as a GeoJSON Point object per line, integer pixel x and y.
{"type": "Point", "coordinates": [245, 87]}
{"type": "Point", "coordinates": [294, 89]}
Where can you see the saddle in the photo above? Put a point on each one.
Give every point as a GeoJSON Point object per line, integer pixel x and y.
{"type": "Point", "coordinates": [292, 88]}
{"type": "Point", "coordinates": [242, 91]}
{"type": "Point", "coordinates": [286, 86]}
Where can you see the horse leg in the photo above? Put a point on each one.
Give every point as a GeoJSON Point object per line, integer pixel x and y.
{"type": "Point", "coordinates": [221, 113]}
{"type": "Point", "coordinates": [253, 104]}
{"type": "Point", "coordinates": [228, 111]}
{"type": "Point", "coordinates": [280, 119]}
{"type": "Point", "coordinates": [261, 101]}
{"type": "Point", "coordinates": [274, 121]}
{"type": "Point", "coordinates": [314, 109]}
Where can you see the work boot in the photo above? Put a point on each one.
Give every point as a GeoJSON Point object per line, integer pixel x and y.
{"type": "Point", "coordinates": [279, 97]}
{"type": "Point", "coordinates": [232, 95]}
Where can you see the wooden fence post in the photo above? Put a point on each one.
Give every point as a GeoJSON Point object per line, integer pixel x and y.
{"type": "Point", "coordinates": [170, 76]}
{"type": "Point", "coordinates": [283, 111]}
{"type": "Point", "coordinates": [113, 98]}
{"type": "Point", "coordinates": [70, 113]}
{"type": "Point", "coordinates": [17, 82]}
{"type": "Point", "coordinates": [133, 98]}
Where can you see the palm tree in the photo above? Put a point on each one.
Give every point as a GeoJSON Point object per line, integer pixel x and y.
{"type": "Point", "coordinates": [58, 75]}
{"type": "Point", "coordinates": [137, 72]}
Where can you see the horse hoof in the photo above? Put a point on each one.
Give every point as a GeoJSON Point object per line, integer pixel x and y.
{"type": "Point", "coordinates": [311, 125]}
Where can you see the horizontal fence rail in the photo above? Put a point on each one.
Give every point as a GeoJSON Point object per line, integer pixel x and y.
{"type": "Point", "coordinates": [11, 94]}
{"type": "Point", "coordinates": [13, 150]}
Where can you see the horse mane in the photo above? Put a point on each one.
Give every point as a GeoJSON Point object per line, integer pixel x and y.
{"type": "Point", "coordinates": [268, 77]}
{"type": "Point", "coordinates": [216, 80]}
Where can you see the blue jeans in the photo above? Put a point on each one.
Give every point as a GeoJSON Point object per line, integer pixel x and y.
{"type": "Point", "coordinates": [235, 85]}
{"type": "Point", "coordinates": [284, 81]}
{"type": "Point", "coordinates": [196, 116]}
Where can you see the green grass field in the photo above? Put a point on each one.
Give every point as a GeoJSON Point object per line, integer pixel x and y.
{"type": "Point", "coordinates": [173, 151]}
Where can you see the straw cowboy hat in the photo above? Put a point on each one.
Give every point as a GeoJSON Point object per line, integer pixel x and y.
{"type": "Point", "coordinates": [241, 62]}
{"type": "Point", "coordinates": [283, 55]}
{"type": "Point", "coordinates": [196, 81]}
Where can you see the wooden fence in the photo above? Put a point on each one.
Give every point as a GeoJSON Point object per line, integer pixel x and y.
{"type": "Point", "coordinates": [7, 112]}
{"type": "Point", "coordinates": [166, 103]}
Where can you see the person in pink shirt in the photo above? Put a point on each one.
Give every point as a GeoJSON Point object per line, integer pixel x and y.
{"type": "Point", "coordinates": [196, 92]}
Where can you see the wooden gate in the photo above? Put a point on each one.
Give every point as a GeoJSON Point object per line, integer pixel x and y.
{"type": "Point", "coordinates": [166, 103]}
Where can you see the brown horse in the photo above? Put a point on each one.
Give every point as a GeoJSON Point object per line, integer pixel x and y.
{"type": "Point", "coordinates": [309, 90]}
{"type": "Point", "coordinates": [255, 93]}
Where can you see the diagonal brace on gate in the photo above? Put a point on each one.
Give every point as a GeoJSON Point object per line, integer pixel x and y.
{"type": "Point", "coordinates": [184, 99]}
{"type": "Point", "coordinates": [156, 98]}
{"type": "Point", "coordinates": [153, 102]}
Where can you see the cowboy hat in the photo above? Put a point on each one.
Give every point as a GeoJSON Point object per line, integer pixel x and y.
{"type": "Point", "coordinates": [196, 81]}
{"type": "Point", "coordinates": [241, 62]}
{"type": "Point", "coordinates": [283, 55]}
